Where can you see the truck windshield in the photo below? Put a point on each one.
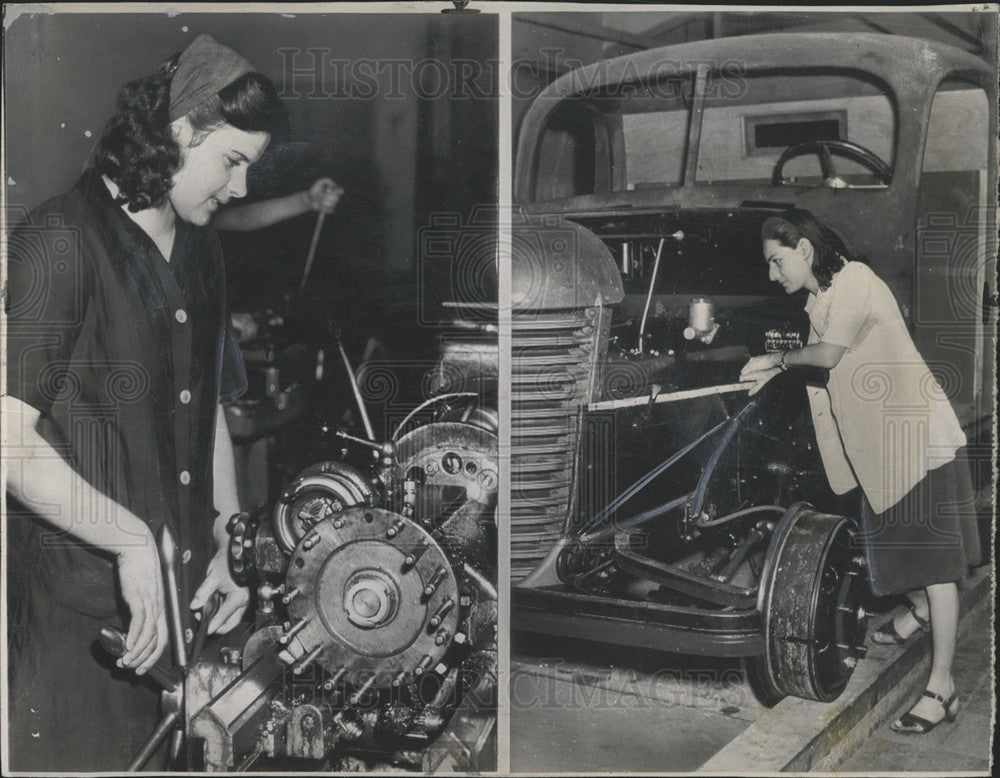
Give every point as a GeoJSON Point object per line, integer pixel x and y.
{"type": "Point", "coordinates": [749, 120]}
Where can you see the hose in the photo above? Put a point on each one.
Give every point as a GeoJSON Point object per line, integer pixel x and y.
{"type": "Point", "coordinates": [702, 523]}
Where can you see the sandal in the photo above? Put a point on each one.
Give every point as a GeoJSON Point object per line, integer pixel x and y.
{"type": "Point", "coordinates": [888, 635]}
{"type": "Point", "coordinates": [911, 724]}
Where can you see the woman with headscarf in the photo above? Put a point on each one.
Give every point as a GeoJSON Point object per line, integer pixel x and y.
{"type": "Point", "coordinates": [119, 354]}
{"type": "Point", "coordinates": [883, 423]}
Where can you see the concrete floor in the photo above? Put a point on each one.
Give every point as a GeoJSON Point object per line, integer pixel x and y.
{"type": "Point", "coordinates": [595, 708]}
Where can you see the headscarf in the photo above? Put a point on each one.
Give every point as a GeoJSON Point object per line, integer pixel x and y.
{"type": "Point", "coordinates": [203, 70]}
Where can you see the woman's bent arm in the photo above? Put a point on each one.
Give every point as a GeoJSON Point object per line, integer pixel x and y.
{"type": "Point", "coordinates": [825, 355]}
{"type": "Point", "coordinates": [41, 479]}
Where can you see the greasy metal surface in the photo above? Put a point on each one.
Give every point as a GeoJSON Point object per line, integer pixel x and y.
{"type": "Point", "coordinates": [639, 623]}
{"type": "Point", "coordinates": [677, 578]}
{"type": "Point", "coordinates": [231, 723]}
{"type": "Point", "coordinates": [803, 583]}
{"type": "Point", "coordinates": [317, 493]}
{"type": "Point", "coordinates": [327, 565]}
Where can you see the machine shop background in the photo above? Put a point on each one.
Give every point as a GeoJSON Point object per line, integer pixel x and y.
{"type": "Point", "coordinates": [407, 140]}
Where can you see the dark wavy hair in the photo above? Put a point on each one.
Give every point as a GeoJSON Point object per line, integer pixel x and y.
{"type": "Point", "coordinates": [830, 252]}
{"type": "Point", "coordinates": [137, 149]}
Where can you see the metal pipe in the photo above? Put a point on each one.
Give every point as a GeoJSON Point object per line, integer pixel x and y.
{"type": "Point", "coordinates": [739, 514]}
{"type": "Point", "coordinates": [153, 741]}
{"type": "Point", "coordinates": [649, 294]}
{"type": "Point", "coordinates": [739, 555]}
{"type": "Point", "coordinates": [669, 397]}
{"type": "Point", "coordinates": [369, 430]}
{"type": "Point", "coordinates": [641, 518]}
{"type": "Point", "coordinates": [625, 496]}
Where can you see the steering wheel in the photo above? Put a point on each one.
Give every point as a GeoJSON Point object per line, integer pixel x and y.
{"type": "Point", "coordinates": [824, 149]}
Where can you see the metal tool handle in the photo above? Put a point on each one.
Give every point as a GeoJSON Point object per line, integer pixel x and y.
{"type": "Point", "coordinates": [358, 399]}
{"type": "Point", "coordinates": [113, 641]}
{"type": "Point", "coordinates": [360, 441]}
{"type": "Point", "coordinates": [168, 557]}
{"type": "Point", "coordinates": [312, 250]}
{"type": "Point", "coordinates": [207, 612]}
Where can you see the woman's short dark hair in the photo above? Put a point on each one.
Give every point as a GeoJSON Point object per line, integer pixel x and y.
{"type": "Point", "coordinates": [137, 149]}
{"type": "Point", "coordinates": [829, 250]}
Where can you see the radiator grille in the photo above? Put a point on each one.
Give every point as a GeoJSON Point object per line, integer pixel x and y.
{"type": "Point", "coordinates": [553, 366]}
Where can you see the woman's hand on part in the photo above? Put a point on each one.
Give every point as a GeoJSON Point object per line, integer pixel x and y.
{"type": "Point", "coordinates": [760, 364]}
{"type": "Point", "coordinates": [141, 583]}
{"type": "Point", "coordinates": [235, 598]}
{"type": "Point", "coordinates": [244, 326]}
{"type": "Point", "coordinates": [324, 195]}
{"type": "Point", "coordinates": [759, 378]}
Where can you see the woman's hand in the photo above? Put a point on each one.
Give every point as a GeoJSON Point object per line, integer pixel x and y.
{"type": "Point", "coordinates": [324, 195]}
{"type": "Point", "coordinates": [244, 326]}
{"type": "Point", "coordinates": [759, 378]}
{"type": "Point", "coordinates": [235, 598]}
{"type": "Point", "coordinates": [141, 583]}
{"type": "Point", "coordinates": [760, 370]}
{"type": "Point", "coordinates": [760, 364]}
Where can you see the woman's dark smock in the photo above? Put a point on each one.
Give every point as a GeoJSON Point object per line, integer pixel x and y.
{"type": "Point", "coordinates": [126, 357]}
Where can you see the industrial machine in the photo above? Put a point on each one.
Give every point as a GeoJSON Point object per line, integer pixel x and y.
{"type": "Point", "coordinates": [373, 642]}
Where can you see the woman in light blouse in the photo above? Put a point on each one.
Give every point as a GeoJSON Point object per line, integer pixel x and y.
{"type": "Point", "coordinates": [884, 424]}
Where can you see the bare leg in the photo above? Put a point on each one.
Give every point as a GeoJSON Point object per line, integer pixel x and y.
{"type": "Point", "coordinates": [943, 600]}
{"type": "Point", "coordinates": [904, 623]}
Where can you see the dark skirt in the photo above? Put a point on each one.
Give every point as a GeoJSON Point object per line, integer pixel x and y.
{"type": "Point", "coordinates": [931, 536]}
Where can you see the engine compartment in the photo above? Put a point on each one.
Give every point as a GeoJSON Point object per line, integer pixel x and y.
{"type": "Point", "coordinates": [709, 256]}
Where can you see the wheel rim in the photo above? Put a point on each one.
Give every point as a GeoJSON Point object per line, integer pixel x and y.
{"type": "Point", "coordinates": [811, 597]}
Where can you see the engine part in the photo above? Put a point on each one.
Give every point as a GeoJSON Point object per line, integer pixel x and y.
{"type": "Point", "coordinates": [317, 493]}
{"type": "Point", "coordinates": [453, 467]}
{"type": "Point", "coordinates": [370, 583]}
{"type": "Point", "coordinates": [372, 625]}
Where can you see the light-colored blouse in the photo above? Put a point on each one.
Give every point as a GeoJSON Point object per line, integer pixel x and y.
{"type": "Point", "coordinates": [883, 421]}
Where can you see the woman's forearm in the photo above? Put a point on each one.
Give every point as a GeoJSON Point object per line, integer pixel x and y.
{"type": "Point", "coordinates": [226, 495]}
{"type": "Point", "coordinates": [255, 216]}
{"type": "Point", "coordinates": [45, 482]}
{"type": "Point", "coordinates": [825, 355]}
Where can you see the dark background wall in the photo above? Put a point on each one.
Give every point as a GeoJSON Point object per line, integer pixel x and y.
{"type": "Point", "coordinates": [404, 144]}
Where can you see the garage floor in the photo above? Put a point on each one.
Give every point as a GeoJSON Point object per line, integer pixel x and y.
{"type": "Point", "coordinates": [586, 707]}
